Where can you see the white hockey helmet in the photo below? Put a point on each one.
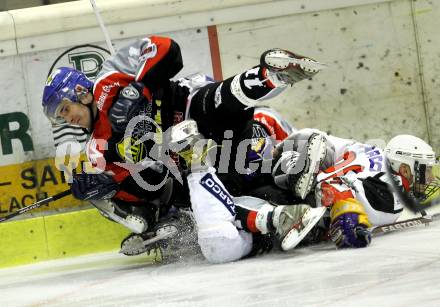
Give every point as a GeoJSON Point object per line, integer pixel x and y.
{"type": "Point", "coordinates": [409, 149]}
{"type": "Point", "coordinates": [419, 156]}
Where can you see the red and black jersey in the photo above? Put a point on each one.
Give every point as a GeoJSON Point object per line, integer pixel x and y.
{"type": "Point", "coordinates": [152, 61]}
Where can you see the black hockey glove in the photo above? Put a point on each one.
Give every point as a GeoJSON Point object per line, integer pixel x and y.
{"type": "Point", "coordinates": [130, 103]}
{"type": "Point", "coordinates": [93, 186]}
{"type": "Point", "coordinates": [261, 244]}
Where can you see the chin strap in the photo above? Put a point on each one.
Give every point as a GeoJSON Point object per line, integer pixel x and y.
{"type": "Point", "coordinates": [93, 119]}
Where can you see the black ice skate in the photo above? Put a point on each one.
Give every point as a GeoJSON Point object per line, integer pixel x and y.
{"type": "Point", "coordinates": [287, 67]}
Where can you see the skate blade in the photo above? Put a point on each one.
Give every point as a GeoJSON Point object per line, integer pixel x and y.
{"type": "Point", "coordinates": [319, 149]}
{"type": "Point", "coordinates": [309, 65]}
{"type": "Point", "coordinates": [282, 61]}
{"type": "Point", "coordinates": [136, 248]}
{"type": "Point", "coordinates": [294, 237]}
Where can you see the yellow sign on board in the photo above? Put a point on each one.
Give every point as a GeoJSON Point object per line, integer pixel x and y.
{"type": "Point", "coordinates": [24, 184]}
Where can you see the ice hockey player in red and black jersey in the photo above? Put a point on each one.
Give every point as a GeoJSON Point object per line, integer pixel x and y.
{"type": "Point", "coordinates": [136, 81]}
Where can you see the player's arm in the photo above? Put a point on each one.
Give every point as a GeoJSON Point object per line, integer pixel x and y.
{"type": "Point", "coordinates": [131, 100]}
{"type": "Point", "coordinates": [160, 60]}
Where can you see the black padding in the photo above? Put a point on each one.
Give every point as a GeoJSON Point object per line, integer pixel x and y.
{"type": "Point", "coordinates": [379, 194]}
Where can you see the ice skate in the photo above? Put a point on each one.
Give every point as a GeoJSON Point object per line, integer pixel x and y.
{"type": "Point", "coordinates": [136, 244]}
{"type": "Point", "coordinates": [316, 151]}
{"type": "Point", "coordinates": [174, 235]}
{"type": "Point", "coordinates": [288, 67]}
{"type": "Point", "coordinates": [294, 222]}
{"type": "Point", "coordinates": [113, 212]}
{"type": "Point", "coordinates": [290, 224]}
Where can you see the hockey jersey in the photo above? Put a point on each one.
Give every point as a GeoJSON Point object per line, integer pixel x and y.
{"type": "Point", "coordinates": [360, 172]}
{"type": "Point", "coordinates": [153, 61]}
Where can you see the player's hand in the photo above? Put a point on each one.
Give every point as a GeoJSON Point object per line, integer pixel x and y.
{"type": "Point", "coordinates": [347, 232]}
{"type": "Point", "coordinates": [130, 103]}
{"type": "Point", "coordinates": [93, 186]}
{"type": "Point", "coordinates": [349, 224]}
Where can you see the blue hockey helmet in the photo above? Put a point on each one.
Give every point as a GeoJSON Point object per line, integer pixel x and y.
{"type": "Point", "coordinates": [64, 83]}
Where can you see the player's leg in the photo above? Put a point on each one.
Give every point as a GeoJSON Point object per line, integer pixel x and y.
{"type": "Point", "coordinates": [285, 67]}
{"type": "Point", "coordinates": [215, 210]}
{"type": "Point", "coordinates": [299, 158]}
{"type": "Point", "coordinates": [289, 224]}
{"type": "Point", "coordinates": [219, 217]}
{"type": "Point", "coordinates": [227, 104]}
{"type": "Point", "coordinates": [213, 207]}
{"type": "Point", "coordinates": [214, 213]}
{"type": "Point", "coordinates": [223, 249]}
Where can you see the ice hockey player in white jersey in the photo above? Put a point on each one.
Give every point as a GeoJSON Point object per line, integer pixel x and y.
{"type": "Point", "coordinates": [352, 179]}
{"type": "Point", "coordinates": [229, 228]}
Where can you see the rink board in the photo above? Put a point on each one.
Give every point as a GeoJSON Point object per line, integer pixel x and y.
{"type": "Point", "coordinates": [26, 183]}
{"type": "Point", "coordinates": [372, 87]}
{"type": "Point", "coordinates": [58, 236]}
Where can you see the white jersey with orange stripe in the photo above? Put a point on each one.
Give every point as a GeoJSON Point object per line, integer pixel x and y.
{"type": "Point", "coordinates": [360, 172]}
{"type": "Point", "coordinates": [120, 70]}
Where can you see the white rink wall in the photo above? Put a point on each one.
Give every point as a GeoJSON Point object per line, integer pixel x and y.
{"type": "Point", "coordinates": [383, 58]}
{"type": "Point", "coordinates": [383, 75]}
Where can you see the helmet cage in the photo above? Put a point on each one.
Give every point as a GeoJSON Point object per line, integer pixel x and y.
{"type": "Point", "coordinates": [425, 184]}
{"type": "Point", "coordinates": [431, 190]}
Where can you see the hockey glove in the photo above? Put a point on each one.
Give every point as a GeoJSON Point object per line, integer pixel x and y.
{"type": "Point", "coordinates": [130, 103]}
{"type": "Point", "coordinates": [349, 224]}
{"type": "Point", "coordinates": [261, 244]}
{"type": "Point", "coordinates": [93, 186]}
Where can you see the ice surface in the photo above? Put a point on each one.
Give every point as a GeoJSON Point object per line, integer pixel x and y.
{"type": "Point", "coordinates": [399, 269]}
